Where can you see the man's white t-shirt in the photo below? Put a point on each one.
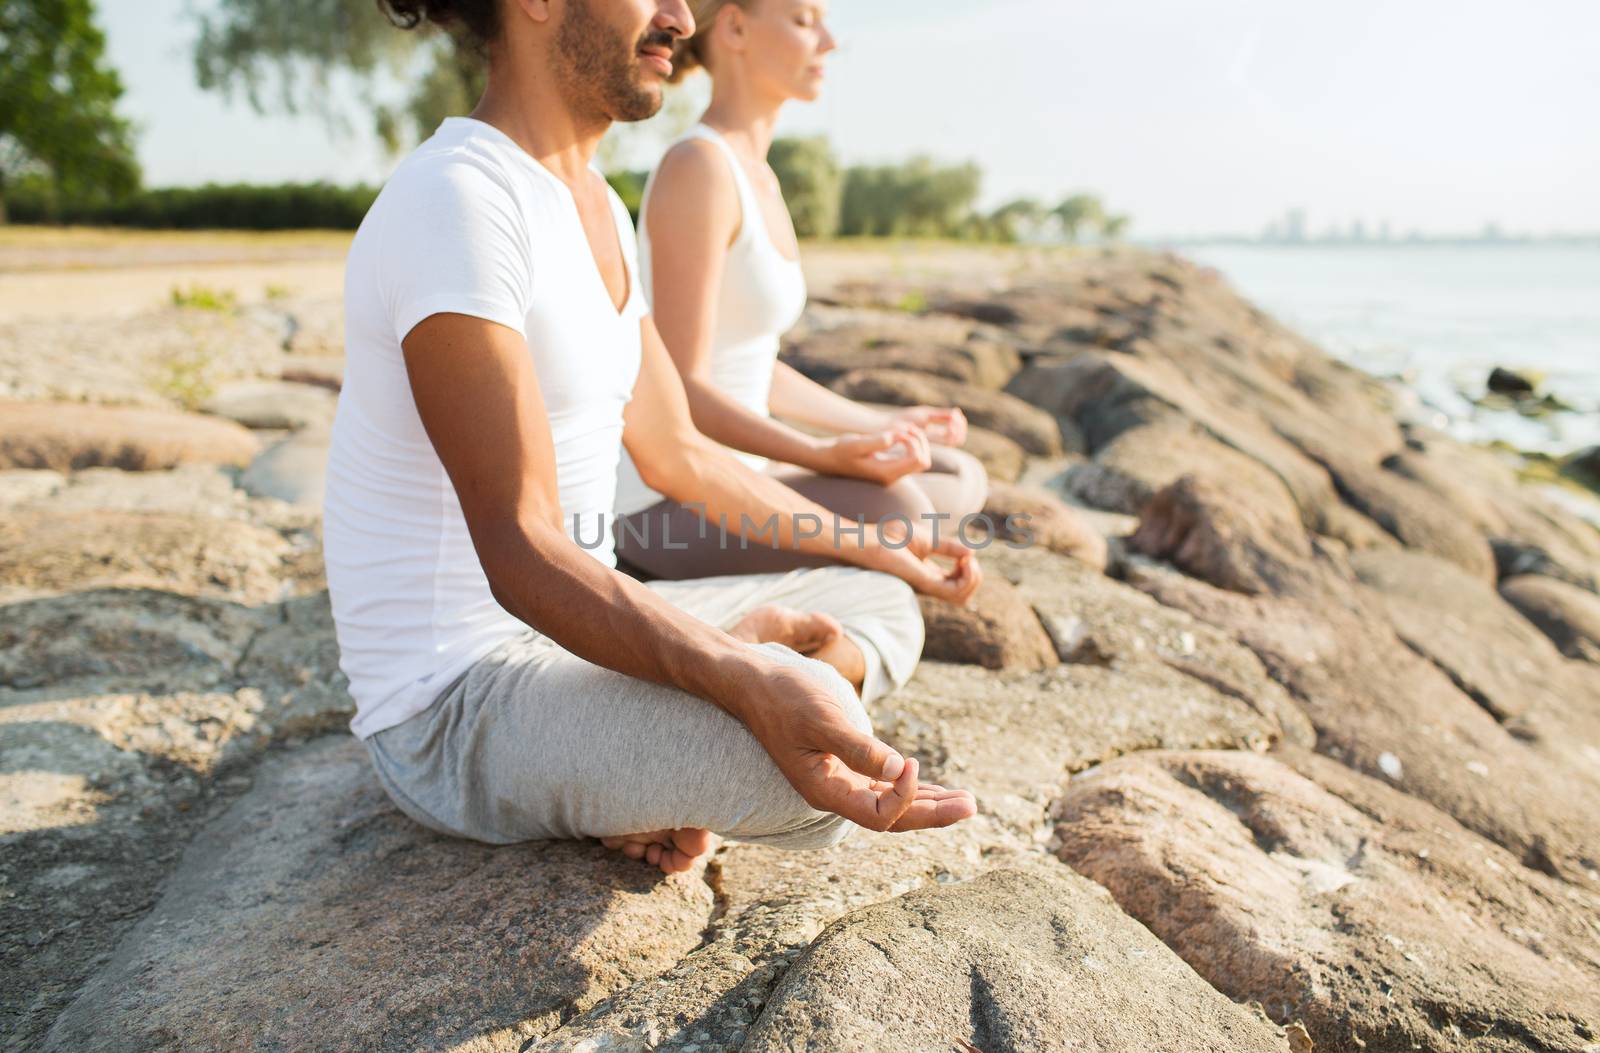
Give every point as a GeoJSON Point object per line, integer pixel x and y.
{"type": "Point", "coordinates": [468, 224]}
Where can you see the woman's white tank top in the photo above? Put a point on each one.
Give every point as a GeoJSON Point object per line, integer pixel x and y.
{"type": "Point", "coordinates": [761, 297]}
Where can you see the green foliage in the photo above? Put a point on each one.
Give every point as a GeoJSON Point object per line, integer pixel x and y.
{"type": "Point", "coordinates": [1076, 211]}
{"type": "Point", "coordinates": [186, 377]}
{"type": "Point", "coordinates": [289, 206]}
{"type": "Point", "coordinates": [630, 188]}
{"type": "Point", "coordinates": [1012, 220]}
{"type": "Point", "coordinates": [58, 102]}
{"type": "Point", "coordinates": [205, 298]}
{"type": "Point", "coordinates": [285, 55]}
{"type": "Point", "coordinates": [812, 184]}
{"type": "Point", "coordinates": [918, 199]}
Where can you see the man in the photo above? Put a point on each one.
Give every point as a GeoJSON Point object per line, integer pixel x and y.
{"type": "Point", "coordinates": [499, 357]}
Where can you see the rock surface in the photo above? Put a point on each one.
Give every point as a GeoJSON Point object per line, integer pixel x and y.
{"type": "Point", "coordinates": [1013, 960]}
{"type": "Point", "coordinates": [1338, 903]}
{"type": "Point", "coordinates": [1329, 730]}
{"type": "Point", "coordinates": [314, 915]}
{"type": "Point", "coordinates": [65, 437]}
{"type": "Point", "coordinates": [998, 631]}
{"type": "Point", "coordinates": [1568, 615]}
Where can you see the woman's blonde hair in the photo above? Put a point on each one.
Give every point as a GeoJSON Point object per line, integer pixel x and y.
{"type": "Point", "coordinates": [690, 53]}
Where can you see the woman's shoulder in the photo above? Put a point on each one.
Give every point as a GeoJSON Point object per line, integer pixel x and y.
{"type": "Point", "coordinates": [693, 178]}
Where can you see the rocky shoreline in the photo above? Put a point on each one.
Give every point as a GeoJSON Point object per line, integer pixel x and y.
{"type": "Point", "coordinates": [1312, 763]}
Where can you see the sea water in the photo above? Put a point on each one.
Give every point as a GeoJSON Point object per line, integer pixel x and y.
{"type": "Point", "coordinates": [1439, 318]}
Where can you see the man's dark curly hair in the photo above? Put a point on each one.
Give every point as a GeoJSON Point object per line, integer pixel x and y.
{"type": "Point", "coordinates": [477, 20]}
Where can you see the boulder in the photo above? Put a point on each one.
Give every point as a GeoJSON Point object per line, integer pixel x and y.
{"type": "Point", "coordinates": [1412, 514]}
{"type": "Point", "coordinates": [293, 470]}
{"type": "Point", "coordinates": [1034, 516]}
{"type": "Point", "coordinates": [1568, 615]}
{"type": "Point", "coordinates": [103, 638]}
{"type": "Point", "coordinates": [189, 489]}
{"type": "Point", "coordinates": [275, 405]}
{"type": "Point", "coordinates": [317, 370]}
{"type": "Point", "coordinates": [188, 555]}
{"type": "Point", "coordinates": [999, 630]}
{"type": "Point", "coordinates": [1504, 381]}
{"type": "Point", "coordinates": [1383, 709]}
{"type": "Point", "coordinates": [888, 342]}
{"type": "Point", "coordinates": [1001, 457]}
{"type": "Point", "coordinates": [1030, 427]}
{"type": "Point", "coordinates": [24, 486]}
{"type": "Point", "coordinates": [67, 436]}
{"type": "Point", "coordinates": [1095, 620]}
{"type": "Point", "coordinates": [1198, 526]}
{"type": "Point", "coordinates": [1338, 903]}
{"type": "Point", "coordinates": [1584, 466]}
{"type": "Point", "coordinates": [1130, 470]}
{"type": "Point", "coordinates": [314, 915]}
{"type": "Point", "coordinates": [771, 905]}
{"type": "Point", "coordinates": [1493, 654]}
{"type": "Point", "coordinates": [1017, 959]}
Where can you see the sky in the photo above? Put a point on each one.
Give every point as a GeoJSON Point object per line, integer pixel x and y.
{"type": "Point", "coordinates": [1193, 117]}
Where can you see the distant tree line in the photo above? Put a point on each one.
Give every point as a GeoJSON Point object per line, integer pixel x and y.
{"type": "Point", "coordinates": [920, 198]}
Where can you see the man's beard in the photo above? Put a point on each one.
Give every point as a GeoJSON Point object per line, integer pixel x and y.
{"type": "Point", "coordinates": [601, 67]}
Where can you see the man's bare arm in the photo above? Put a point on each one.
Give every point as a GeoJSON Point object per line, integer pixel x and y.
{"type": "Point", "coordinates": [478, 396]}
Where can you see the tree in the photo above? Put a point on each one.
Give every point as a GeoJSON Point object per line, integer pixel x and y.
{"type": "Point", "coordinates": [1010, 221]}
{"type": "Point", "coordinates": [812, 184]}
{"type": "Point", "coordinates": [1113, 227]}
{"type": "Point", "coordinates": [58, 99]}
{"type": "Point", "coordinates": [1077, 210]}
{"type": "Point", "coordinates": [286, 55]}
{"type": "Point", "coordinates": [289, 55]}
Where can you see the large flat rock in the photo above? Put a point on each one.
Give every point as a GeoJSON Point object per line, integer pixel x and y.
{"type": "Point", "coordinates": [313, 915]}
{"type": "Point", "coordinates": [68, 436]}
{"type": "Point", "coordinates": [1015, 960]}
{"type": "Point", "coordinates": [1339, 903]}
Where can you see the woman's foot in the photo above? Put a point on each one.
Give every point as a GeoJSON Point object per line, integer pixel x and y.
{"type": "Point", "coordinates": [799, 630]}
{"type": "Point", "coordinates": [674, 851]}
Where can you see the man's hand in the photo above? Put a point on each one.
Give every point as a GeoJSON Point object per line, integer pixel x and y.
{"type": "Point", "coordinates": [946, 426]}
{"type": "Point", "coordinates": [882, 457]}
{"type": "Point", "coordinates": [839, 769]}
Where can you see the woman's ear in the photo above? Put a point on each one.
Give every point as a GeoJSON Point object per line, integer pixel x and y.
{"type": "Point", "coordinates": [731, 28]}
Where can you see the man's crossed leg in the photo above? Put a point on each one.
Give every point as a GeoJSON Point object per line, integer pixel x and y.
{"type": "Point", "coordinates": [534, 742]}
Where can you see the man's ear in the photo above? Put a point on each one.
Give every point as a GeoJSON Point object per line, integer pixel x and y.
{"type": "Point", "coordinates": [534, 10]}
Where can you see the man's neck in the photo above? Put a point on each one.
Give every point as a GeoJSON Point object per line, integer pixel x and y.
{"type": "Point", "coordinates": [531, 110]}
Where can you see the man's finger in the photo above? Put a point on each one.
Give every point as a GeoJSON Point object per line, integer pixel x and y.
{"type": "Point", "coordinates": [894, 802]}
{"type": "Point", "coordinates": [867, 755]}
{"type": "Point", "coordinates": [932, 813]}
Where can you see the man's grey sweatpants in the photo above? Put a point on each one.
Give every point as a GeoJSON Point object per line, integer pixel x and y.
{"type": "Point", "coordinates": [533, 742]}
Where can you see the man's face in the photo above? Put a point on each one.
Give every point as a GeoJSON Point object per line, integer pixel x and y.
{"type": "Point", "coordinates": [615, 55]}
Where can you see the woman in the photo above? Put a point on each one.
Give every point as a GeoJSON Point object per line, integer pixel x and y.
{"type": "Point", "coordinates": [721, 262]}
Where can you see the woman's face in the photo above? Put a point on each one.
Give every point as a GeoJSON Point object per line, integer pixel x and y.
{"type": "Point", "coordinates": [787, 41]}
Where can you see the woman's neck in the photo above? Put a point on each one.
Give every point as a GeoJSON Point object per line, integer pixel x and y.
{"type": "Point", "coordinates": [743, 119]}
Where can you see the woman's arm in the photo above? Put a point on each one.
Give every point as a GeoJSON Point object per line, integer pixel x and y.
{"type": "Point", "coordinates": [799, 398]}
{"type": "Point", "coordinates": [693, 217]}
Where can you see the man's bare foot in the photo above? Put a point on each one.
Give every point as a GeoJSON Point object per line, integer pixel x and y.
{"type": "Point", "coordinates": [803, 631]}
{"type": "Point", "coordinates": [674, 851]}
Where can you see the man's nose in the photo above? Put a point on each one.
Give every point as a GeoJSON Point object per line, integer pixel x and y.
{"type": "Point", "coordinates": [675, 16]}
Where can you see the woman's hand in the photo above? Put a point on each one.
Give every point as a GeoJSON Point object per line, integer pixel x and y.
{"type": "Point", "coordinates": [908, 555]}
{"type": "Point", "coordinates": [882, 457]}
{"type": "Point", "coordinates": [946, 426]}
